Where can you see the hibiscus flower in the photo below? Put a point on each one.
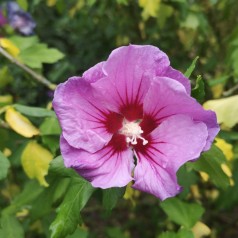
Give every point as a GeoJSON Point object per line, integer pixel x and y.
{"type": "Point", "coordinates": [3, 20]}
{"type": "Point", "coordinates": [131, 118]}
{"type": "Point", "coordinates": [20, 20]}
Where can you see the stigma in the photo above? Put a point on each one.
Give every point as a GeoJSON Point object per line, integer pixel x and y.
{"type": "Point", "coordinates": [133, 132]}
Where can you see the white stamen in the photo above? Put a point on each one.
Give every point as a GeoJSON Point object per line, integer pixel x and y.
{"type": "Point", "coordinates": [132, 131]}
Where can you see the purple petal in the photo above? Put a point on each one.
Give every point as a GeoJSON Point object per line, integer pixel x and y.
{"type": "Point", "coordinates": [12, 7]}
{"type": "Point", "coordinates": [166, 97]}
{"type": "Point", "coordinates": [178, 139]}
{"type": "Point", "coordinates": [81, 115]}
{"type": "Point", "coordinates": [20, 20]}
{"type": "Point", "coordinates": [177, 75]}
{"type": "Point", "coordinates": [95, 73]}
{"type": "Point", "coordinates": [129, 71]}
{"type": "Point", "coordinates": [3, 20]}
{"type": "Point", "coordinates": [104, 169]}
{"type": "Point", "coordinates": [153, 179]}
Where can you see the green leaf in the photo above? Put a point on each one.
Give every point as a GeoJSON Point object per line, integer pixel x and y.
{"type": "Point", "coordinates": [221, 79]}
{"type": "Point", "coordinates": [186, 178]}
{"type": "Point", "coordinates": [23, 4]}
{"type": "Point", "coordinates": [30, 192]}
{"type": "Point", "coordinates": [210, 162]}
{"type": "Point", "coordinates": [91, 2]}
{"type": "Point", "coordinates": [5, 77]}
{"type": "Point", "coordinates": [229, 197]}
{"type": "Point", "coordinates": [68, 215]}
{"type": "Point", "coordinates": [50, 126]}
{"type": "Point", "coordinates": [57, 167]}
{"type": "Point", "coordinates": [198, 91]}
{"type": "Point", "coordinates": [229, 135]}
{"type": "Point", "coordinates": [182, 213]}
{"type": "Point", "coordinates": [183, 233]}
{"type": "Point", "coordinates": [115, 232]}
{"type": "Point", "coordinates": [165, 11]}
{"type": "Point", "coordinates": [37, 54]}
{"type": "Point", "coordinates": [15, 157]}
{"type": "Point", "coordinates": [168, 234]}
{"type": "Point", "coordinates": [42, 206]}
{"type": "Point", "coordinates": [111, 196]}
{"type": "Point", "coordinates": [34, 111]}
{"type": "Point", "coordinates": [11, 228]}
{"type": "Point", "coordinates": [79, 233]}
{"type": "Point", "coordinates": [6, 100]}
{"type": "Point", "coordinates": [24, 42]}
{"type": "Point", "coordinates": [191, 21]}
{"type": "Point", "coordinates": [52, 142]}
{"type": "Point", "coordinates": [5, 164]}
{"type": "Point", "coordinates": [123, 2]}
{"type": "Point", "coordinates": [61, 188]}
{"type": "Point", "coordinates": [191, 67]}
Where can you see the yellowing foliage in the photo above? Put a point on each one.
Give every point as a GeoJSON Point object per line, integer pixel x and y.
{"type": "Point", "coordinates": [150, 8]}
{"type": "Point", "coordinates": [217, 90]}
{"type": "Point", "coordinates": [195, 191]}
{"type": "Point", "coordinates": [200, 230]}
{"type": "Point", "coordinates": [225, 147]}
{"type": "Point", "coordinates": [23, 213]}
{"type": "Point", "coordinates": [35, 162]}
{"type": "Point", "coordinates": [9, 47]}
{"type": "Point", "coordinates": [226, 170]}
{"type": "Point", "coordinates": [51, 3]}
{"type": "Point", "coordinates": [20, 123]}
{"type": "Point", "coordinates": [76, 7]}
{"type": "Point", "coordinates": [6, 99]}
{"type": "Point", "coordinates": [204, 176]}
{"type": "Point", "coordinates": [7, 152]}
{"type": "Point", "coordinates": [226, 110]}
{"type": "Point", "coordinates": [131, 194]}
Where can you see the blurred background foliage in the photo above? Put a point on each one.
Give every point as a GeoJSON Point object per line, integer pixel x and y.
{"type": "Point", "coordinates": [65, 39]}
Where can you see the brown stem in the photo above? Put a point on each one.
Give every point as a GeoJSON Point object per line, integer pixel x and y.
{"type": "Point", "coordinates": [36, 76]}
{"type": "Point", "coordinates": [230, 91]}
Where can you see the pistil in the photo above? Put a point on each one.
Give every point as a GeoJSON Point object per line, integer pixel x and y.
{"type": "Point", "coordinates": [132, 131]}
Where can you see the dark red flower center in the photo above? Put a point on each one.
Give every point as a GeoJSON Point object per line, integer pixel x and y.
{"type": "Point", "coordinates": [130, 128]}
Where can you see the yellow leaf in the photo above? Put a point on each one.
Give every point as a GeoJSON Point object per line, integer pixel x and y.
{"type": "Point", "coordinates": [200, 230]}
{"type": "Point", "coordinates": [6, 99]}
{"type": "Point", "coordinates": [51, 3]}
{"type": "Point", "coordinates": [226, 110]}
{"type": "Point", "coordinates": [204, 176]}
{"type": "Point", "coordinates": [9, 47]}
{"type": "Point", "coordinates": [131, 194]}
{"type": "Point", "coordinates": [19, 123]}
{"type": "Point", "coordinates": [212, 194]}
{"type": "Point", "coordinates": [10, 191]}
{"type": "Point", "coordinates": [217, 90]}
{"type": "Point", "coordinates": [195, 191]}
{"type": "Point", "coordinates": [49, 106]}
{"type": "Point", "coordinates": [37, 226]}
{"type": "Point", "coordinates": [226, 170]}
{"type": "Point", "coordinates": [122, 40]}
{"type": "Point", "coordinates": [23, 213]}
{"type": "Point", "coordinates": [35, 162]}
{"type": "Point", "coordinates": [7, 152]}
{"type": "Point", "coordinates": [80, 4]}
{"type": "Point", "coordinates": [150, 8]}
{"type": "Point", "coordinates": [225, 147]}
{"type": "Point", "coordinates": [232, 182]}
